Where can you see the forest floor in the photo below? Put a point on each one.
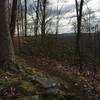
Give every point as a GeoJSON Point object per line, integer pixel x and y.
{"type": "Point", "coordinates": [59, 69]}
{"type": "Point", "coordinates": [84, 82]}
{"type": "Point", "coordinates": [45, 79]}
{"type": "Point", "coordinates": [31, 84]}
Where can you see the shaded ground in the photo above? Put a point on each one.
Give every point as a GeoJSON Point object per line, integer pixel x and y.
{"type": "Point", "coordinates": [81, 85]}
{"type": "Point", "coordinates": [35, 84]}
{"type": "Point", "coordinates": [30, 84]}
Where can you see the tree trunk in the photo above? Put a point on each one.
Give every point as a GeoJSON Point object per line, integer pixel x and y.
{"type": "Point", "coordinates": [57, 23]}
{"type": "Point", "coordinates": [43, 19]}
{"type": "Point", "coordinates": [6, 47]}
{"type": "Point", "coordinates": [79, 9]}
{"type": "Point", "coordinates": [25, 18]}
{"type": "Point", "coordinates": [37, 18]}
{"type": "Point", "coordinates": [13, 17]}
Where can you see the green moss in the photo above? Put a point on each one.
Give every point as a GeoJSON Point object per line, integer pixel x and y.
{"type": "Point", "coordinates": [28, 86]}
{"type": "Point", "coordinates": [28, 89]}
{"type": "Point", "coordinates": [35, 97]}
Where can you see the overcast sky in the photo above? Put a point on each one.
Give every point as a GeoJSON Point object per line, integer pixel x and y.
{"type": "Point", "coordinates": [68, 10]}
{"type": "Point", "coordinates": [66, 5]}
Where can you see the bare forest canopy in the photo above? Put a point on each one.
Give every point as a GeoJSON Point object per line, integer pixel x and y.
{"type": "Point", "coordinates": [64, 12]}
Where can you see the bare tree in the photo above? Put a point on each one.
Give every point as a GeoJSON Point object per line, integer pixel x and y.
{"type": "Point", "coordinates": [57, 23]}
{"type": "Point", "coordinates": [79, 8]}
{"type": "Point", "coordinates": [25, 17]}
{"type": "Point", "coordinates": [37, 18]}
{"type": "Point", "coordinates": [43, 20]}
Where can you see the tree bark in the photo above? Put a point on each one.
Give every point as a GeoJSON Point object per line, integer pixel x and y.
{"type": "Point", "coordinates": [6, 47]}
{"type": "Point", "coordinates": [25, 18]}
{"type": "Point", "coordinates": [79, 18]}
{"type": "Point", "coordinates": [13, 17]}
{"type": "Point", "coordinates": [37, 19]}
{"type": "Point", "coordinates": [57, 23]}
{"type": "Point", "coordinates": [44, 4]}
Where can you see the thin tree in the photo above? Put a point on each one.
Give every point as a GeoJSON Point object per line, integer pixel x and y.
{"type": "Point", "coordinates": [19, 24]}
{"type": "Point", "coordinates": [57, 23]}
{"type": "Point", "coordinates": [22, 17]}
{"type": "Point", "coordinates": [25, 18]}
{"type": "Point", "coordinates": [37, 18]}
{"type": "Point", "coordinates": [79, 8]}
{"type": "Point", "coordinates": [43, 24]}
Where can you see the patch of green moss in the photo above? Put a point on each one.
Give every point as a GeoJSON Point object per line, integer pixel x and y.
{"type": "Point", "coordinates": [28, 86]}
{"type": "Point", "coordinates": [35, 97]}
{"type": "Point", "coordinates": [27, 89]}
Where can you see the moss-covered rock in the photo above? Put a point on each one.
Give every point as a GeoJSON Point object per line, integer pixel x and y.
{"type": "Point", "coordinates": [30, 84]}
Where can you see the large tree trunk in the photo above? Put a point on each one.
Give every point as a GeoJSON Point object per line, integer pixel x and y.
{"type": "Point", "coordinates": [13, 17]}
{"type": "Point", "coordinates": [6, 47]}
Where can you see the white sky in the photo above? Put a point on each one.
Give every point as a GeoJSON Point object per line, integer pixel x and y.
{"type": "Point", "coordinates": [65, 26]}
{"type": "Point", "coordinates": [65, 23]}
